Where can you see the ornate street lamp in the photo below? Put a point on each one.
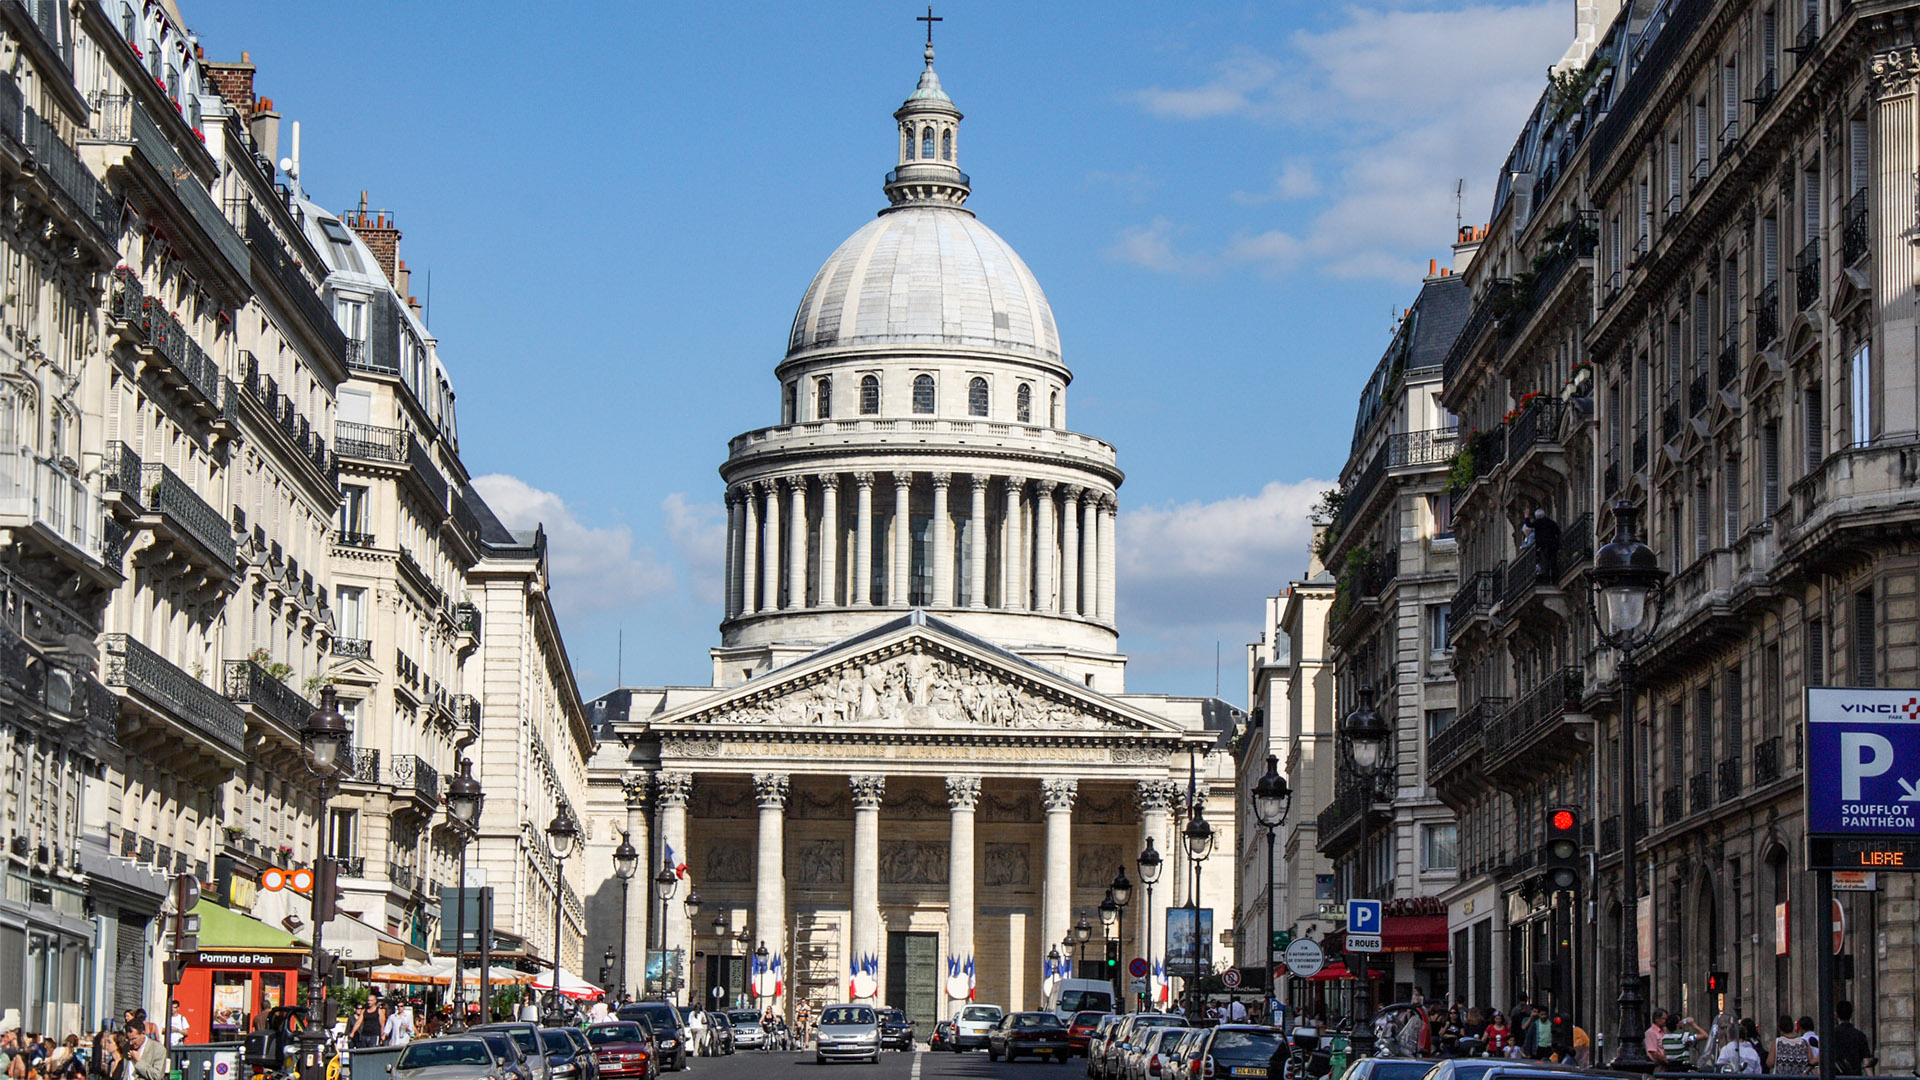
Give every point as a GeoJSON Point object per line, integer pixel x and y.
{"type": "Point", "coordinates": [665, 884]}
{"type": "Point", "coordinates": [1197, 838]}
{"type": "Point", "coordinates": [464, 800]}
{"type": "Point", "coordinates": [626, 863]}
{"type": "Point", "coordinates": [1626, 576]}
{"type": "Point", "coordinates": [563, 836]}
{"type": "Point", "coordinates": [760, 965]}
{"type": "Point", "coordinates": [1148, 863]}
{"type": "Point", "coordinates": [1271, 801]}
{"type": "Point", "coordinates": [1120, 891]}
{"type": "Point", "coordinates": [1366, 734]}
{"type": "Point", "coordinates": [325, 735]}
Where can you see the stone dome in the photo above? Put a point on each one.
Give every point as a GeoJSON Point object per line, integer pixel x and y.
{"type": "Point", "coordinates": [926, 276]}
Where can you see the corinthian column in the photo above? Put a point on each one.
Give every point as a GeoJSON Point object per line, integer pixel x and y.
{"type": "Point", "coordinates": [769, 879]}
{"type": "Point", "coordinates": [1045, 598]}
{"type": "Point", "coordinates": [770, 565]}
{"type": "Point", "coordinates": [672, 788]}
{"type": "Point", "coordinates": [897, 595]}
{"type": "Point", "coordinates": [862, 541]}
{"type": "Point", "coordinates": [750, 553]}
{"type": "Point", "coordinates": [942, 543]}
{"type": "Point", "coordinates": [1156, 801]}
{"type": "Point", "coordinates": [797, 547]}
{"type": "Point", "coordinates": [963, 794]}
{"type": "Point", "coordinates": [828, 593]}
{"type": "Point", "coordinates": [1108, 505]}
{"type": "Point", "coordinates": [1013, 549]}
{"type": "Point", "coordinates": [1057, 895]}
{"type": "Point", "coordinates": [731, 601]}
{"type": "Point", "coordinates": [977, 543]}
{"type": "Point", "coordinates": [637, 894]}
{"type": "Point", "coordinates": [1070, 550]}
{"type": "Point", "coordinates": [868, 790]}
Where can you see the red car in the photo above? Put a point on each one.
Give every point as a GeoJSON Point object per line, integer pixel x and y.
{"type": "Point", "coordinates": [624, 1048]}
{"type": "Point", "coordinates": [1080, 1027]}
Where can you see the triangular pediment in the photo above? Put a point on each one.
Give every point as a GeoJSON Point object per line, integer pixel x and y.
{"type": "Point", "coordinates": [915, 674]}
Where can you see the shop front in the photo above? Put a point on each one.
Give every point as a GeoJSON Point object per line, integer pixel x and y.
{"type": "Point", "coordinates": [1474, 925]}
{"type": "Point", "coordinates": [244, 968]}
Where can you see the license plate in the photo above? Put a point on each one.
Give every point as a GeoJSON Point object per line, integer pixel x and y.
{"type": "Point", "coordinates": [1248, 1071]}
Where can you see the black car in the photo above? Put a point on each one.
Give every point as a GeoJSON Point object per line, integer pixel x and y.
{"type": "Point", "coordinates": [569, 1057]}
{"type": "Point", "coordinates": [513, 1061]}
{"type": "Point", "coordinates": [669, 1033]}
{"type": "Point", "coordinates": [896, 1031]}
{"type": "Point", "coordinates": [1040, 1034]}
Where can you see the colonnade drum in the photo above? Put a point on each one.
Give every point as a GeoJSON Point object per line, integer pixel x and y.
{"type": "Point", "coordinates": [923, 539]}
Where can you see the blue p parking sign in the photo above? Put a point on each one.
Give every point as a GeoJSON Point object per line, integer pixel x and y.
{"type": "Point", "coordinates": [1363, 917]}
{"type": "Point", "coordinates": [1863, 763]}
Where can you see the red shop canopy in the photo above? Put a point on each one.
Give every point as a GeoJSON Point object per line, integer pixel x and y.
{"type": "Point", "coordinates": [1414, 933]}
{"type": "Point", "coordinates": [1331, 973]}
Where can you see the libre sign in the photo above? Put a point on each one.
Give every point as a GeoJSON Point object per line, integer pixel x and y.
{"type": "Point", "coordinates": [1863, 779]}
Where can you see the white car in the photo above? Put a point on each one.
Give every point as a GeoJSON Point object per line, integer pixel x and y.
{"type": "Point", "coordinates": [970, 1028]}
{"type": "Point", "coordinates": [847, 1031]}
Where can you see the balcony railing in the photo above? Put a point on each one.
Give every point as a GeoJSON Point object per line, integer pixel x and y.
{"type": "Point", "coordinates": [352, 648]}
{"type": "Point", "coordinates": [347, 538]}
{"type": "Point", "coordinates": [1494, 300]}
{"type": "Point", "coordinates": [1806, 39]}
{"type": "Point", "coordinates": [1637, 453]}
{"type": "Point", "coordinates": [1806, 275]}
{"type": "Point", "coordinates": [1539, 707]}
{"type": "Point", "coordinates": [1853, 229]}
{"type": "Point", "coordinates": [366, 441]}
{"type": "Point", "coordinates": [190, 702]}
{"type": "Point", "coordinates": [353, 866]}
{"type": "Point", "coordinates": [152, 144]}
{"type": "Point", "coordinates": [1729, 138]}
{"type": "Point", "coordinates": [1576, 544]}
{"type": "Point", "coordinates": [1699, 792]}
{"type": "Point", "coordinates": [362, 764]}
{"type": "Point", "coordinates": [1729, 779]}
{"type": "Point", "coordinates": [1673, 802]}
{"type": "Point", "coordinates": [412, 771]}
{"type": "Point", "coordinates": [1538, 422]}
{"type": "Point", "coordinates": [168, 495]}
{"type": "Point", "coordinates": [402, 876]}
{"type": "Point", "coordinates": [466, 710]}
{"type": "Point", "coordinates": [1352, 799]}
{"type": "Point", "coordinates": [1670, 422]}
{"type": "Point", "coordinates": [252, 684]}
{"type": "Point", "coordinates": [1768, 765]}
{"type": "Point", "coordinates": [33, 489]}
{"type": "Point", "coordinates": [1529, 568]}
{"type": "Point", "coordinates": [1701, 170]}
{"type": "Point", "coordinates": [70, 176]}
{"type": "Point", "coordinates": [466, 617]}
{"type": "Point", "coordinates": [1766, 316]}
{"type": "Point", "coordinates": [1430, 447]}
{"type": "Point", "coordinates": [1475, 597]}
{"type": "Point", "coordinates": [1456, 741]}
{"type": "Point", "coordinates": [1764, 92]}
{"type": "Point", "coordinates": [1727, 366]}
{"type": "Point", "coordinates": [1610, 479]}
{"type": "Point", "coordinates": [268, 250]}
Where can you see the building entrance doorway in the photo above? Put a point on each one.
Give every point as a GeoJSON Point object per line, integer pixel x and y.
{"type": "Point", "coordinates": [913, 976]}
{"type": "Point", "coordinates": [726, 984]}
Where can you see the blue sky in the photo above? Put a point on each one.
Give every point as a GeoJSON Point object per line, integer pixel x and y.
{"type": "Point", "coordinates": [619, 205]}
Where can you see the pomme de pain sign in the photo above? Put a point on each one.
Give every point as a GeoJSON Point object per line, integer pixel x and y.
{"type": "Point", "coordinates": [1863, 776]}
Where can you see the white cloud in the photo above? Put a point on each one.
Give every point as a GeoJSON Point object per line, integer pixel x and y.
{"type": "Point", "coordinates": [1151, 247]}
{"type": "Point", "coordinates": [1198, 563]}
{"type": "Point", "coordinates": [698, 532]}
{"type": "Point", "coordinates": [1400, 104]}
{"type": "Point", "coordinates": [594, 569]}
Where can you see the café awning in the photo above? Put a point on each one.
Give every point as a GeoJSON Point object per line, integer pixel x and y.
{"type": "Point", "coordinates": [1414, 933]}
{"type": "Point", "coordinates": [225, 930]}
{"type": "Point", "coordinates": [359, 942]}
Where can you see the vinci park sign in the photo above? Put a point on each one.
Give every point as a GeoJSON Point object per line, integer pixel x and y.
{"type": "Point", "coordinates": [1863, 779]}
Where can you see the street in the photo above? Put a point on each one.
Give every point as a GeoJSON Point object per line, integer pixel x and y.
{"type": "Point", "coordinates": [894, 1065]}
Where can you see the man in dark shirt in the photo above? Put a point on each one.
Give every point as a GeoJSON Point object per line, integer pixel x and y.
{"type": "Point", "coordinates": [1852, 1056]}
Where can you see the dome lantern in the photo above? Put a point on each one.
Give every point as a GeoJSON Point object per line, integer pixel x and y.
{"type": "Point", "coordinates": [928, 172]}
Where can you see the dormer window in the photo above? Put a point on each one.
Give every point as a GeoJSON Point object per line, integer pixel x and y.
{"type": "Point", "coordinates": [946, 146]}
{"type": "Point", "coordinates": [926, 142]}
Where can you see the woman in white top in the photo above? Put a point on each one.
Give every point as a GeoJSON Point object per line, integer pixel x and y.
{"type": "Point", "coordinates": [1742, 1052]}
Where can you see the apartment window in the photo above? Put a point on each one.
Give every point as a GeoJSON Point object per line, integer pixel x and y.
{"type": "Point", "coordinates": [926, 141]}
{"type": "Point", "coordinates": [977, 397]}
{"type": "Point", "coordinates": [1701, 138]}
{"type": "Point", "coordinates": [869, 395]}
{"type": "Point", "coordinates": [1770, 469]}
{"type": "Point", "coordinates": [1857, 155]}
{"type": "Point", "coordinates": [1437, 615]}
{"type": "Point", "coordinates": [351, 315]}
{"type": "Point", "coordinates": [1729, 103]}
{"type": "Point", "coordinates": [1676, 742]}
{"type": "Point", "coordinates": [823, 398]}
{"type": "Point", "coordinates": [1769, 686]}
{"type": "Point", "coordinates": [1816, 663]}
{"type": "Point", "coordinates": [1862, 387]}
{"type": "Point", "coordinates": [345, 833]}
{"type": "Point", "coordinates": [1730, 492]}
{"type": "Point", "coordinates": [1439, 720]}
{"type": "Point", "coordinates": [1702, 726]}
{"type": "Point", "coordinates": [1769, 51]}
{"type": "Point", "coordinates": [1863, 657]}
{"type": "Point", "coordinates": [1440, 504]}
{"type": "Point", "coordinates": [1440, 846]}
{"type": "Point", "coordinates": [353, 511]}
{"type": "Point", "coordinates": [1702, 519]}
{"type": "Point", "coordinates": [353, 612]}
{"type": "Point", "coordinates": [1769, 250]}
{"type": "Point", "coordinates": [1730, 299]}
{"type": "Point", "coordinates": [1810, 201]}
{"type": "Point", "coordinates": [923, 394]}
{"type": "Point", "coordinates": [1731, 712]}
{"type": "Point", "coordinates": [1816, 425]}
{"type": "Point", "coordinates": [1023, 404]}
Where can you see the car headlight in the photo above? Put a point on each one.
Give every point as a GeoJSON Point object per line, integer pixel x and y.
{"type": "Point", "coordinates": [669, 1043]}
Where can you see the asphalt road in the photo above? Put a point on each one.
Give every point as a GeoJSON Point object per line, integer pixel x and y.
{"type": "Point", "coordinates": [894, 1065]}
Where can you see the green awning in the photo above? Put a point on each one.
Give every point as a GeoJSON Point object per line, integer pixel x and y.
{"type": "Point", "coordinates": [223, 928]}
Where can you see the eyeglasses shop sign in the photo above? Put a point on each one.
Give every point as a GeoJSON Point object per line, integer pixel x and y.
{"type": "Point", "coordinates": [1863, 762]}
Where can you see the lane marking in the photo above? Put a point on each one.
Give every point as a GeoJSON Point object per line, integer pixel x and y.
{"type": "Point", "coordinates": [915, 1074]}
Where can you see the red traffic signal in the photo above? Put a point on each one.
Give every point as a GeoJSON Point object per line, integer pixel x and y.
{"type": "Point", "coordinates": [1563, 848]}
{"type": "Point", "coordinates": [1563, 820]}
{"type": "Point", "coordinates": [1716, 982]}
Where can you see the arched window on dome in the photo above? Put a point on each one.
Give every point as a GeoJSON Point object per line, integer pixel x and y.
{"type": "Point", "coordinates": [869, 395]}
{"type": "Point", "coordinates": [946, 146]}
{"type": "Point", "coordinates": [977, 397]}
{"type": "Point", "coordinates": [1023, 404]}
{"type": "Point", "coordinates": [906, 134]}
{"type": "Point", "coordinates": [823, 398]}
{"type": "Point", "coordinates": [1053, 409]}
{"type": "Point", "coordinates": [923, 394]}
{"type": "Point", "coordinates": [786, 404]}
{"type": "Point", "coordinates": [926, 142]}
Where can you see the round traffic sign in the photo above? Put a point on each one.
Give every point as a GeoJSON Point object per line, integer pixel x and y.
{"type": "Point", "coordinates": [1230, 978]}
{"type": "Point", "coordinates": [1305, 958]}
{"type": "Point", "coordinates": [1137, 967]}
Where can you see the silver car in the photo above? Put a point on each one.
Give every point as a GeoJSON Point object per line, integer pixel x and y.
{"type": "Point", "coordinates": [847, 1032]}
{"type": "Point", "coordinates": [463, 1058]}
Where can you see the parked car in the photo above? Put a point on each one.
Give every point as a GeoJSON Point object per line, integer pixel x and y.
{"type": "Point", "coordinates": [1080, 1029]}
{"type": "Point", "coordinates": [1380, 1068]}
{"type": "Point", "coordinates": [623, 1050]}
{"type": "Point", "coordinates": [1179, 1058]}
{"type": "Point", "coordinates": [568, 1055]}
{"type": "Point", "coordinates": [942, 1037]}
{"type": "Point", "coordinates": [1079, 995]}
{"type": "Point", "coordinates": [513, 1061]}
{"type": "Point", "coordinates": [669, 1033]}
{"type": "Point", "coordinates": [847, 1032]}
{"type": "Point", "coordinates": [527, 1037]}
{"type": "Point", "coordinates": [1480, 1068]}
{"type": "Point", "coordinates": [720, 1033]}
{"type": "Point", "coordinates": [971, 1027]}
{"type": "Point", "coordinates": [1241, 1051]}
{"type": "Point", "coordinates": [1149, 1061]}
{"type": "Point", "coordinates": [462, 1058]}
{"type": "Point", "coordinates": [1039, 1034]}
{"type": "Point", "coordinates": [1124, 1037]}
{"type": "Point", "coordinates": [896, 1030]}
{"type": "Point", "coordinates": [747, 1032]}
{"type": "Point", "coordinates": [1097, 1040]}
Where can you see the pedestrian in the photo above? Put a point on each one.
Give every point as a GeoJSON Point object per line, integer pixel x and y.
{"type": "Point", "coordinates": [1496, 1035]}
{"type": "Point", "coordinates": [399, 1029]}
{"type": "Point", "coordinates": [1682, 1035]}
{"type": "Point", "coordinates": [1655, 1039]}
{"type": "Point", "coordinates": [177, 1026]}
{"type": "Point", "coordinates": [1808, 1032]}
{"type": "Point", "coordinates": [1542, 1034]}
{"type": "Point", "coordinates": [144, 1052]}
{"type": "Point", "coordinates": [1791, 1055]}
{"type": "Point", "coordinates": [697, 1032]}
{"type": "Point", "coordinates": [1741, 1054]}
{"type": "Point", "coordinates": [766, 1029]}
{"type": "Point", "coordinates": [1852, 1054]}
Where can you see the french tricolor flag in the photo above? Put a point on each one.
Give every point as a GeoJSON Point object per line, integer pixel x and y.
{"type": "Point", "coordinates": [679, 868]}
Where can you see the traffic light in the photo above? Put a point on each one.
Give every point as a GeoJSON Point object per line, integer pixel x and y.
{"type": "Point", "coordinates": [1113, 959]}
{"type": "Point", "coordinates": [1563, 1035]}
{"type": "Point", "coordinates": [1563, 849]}
{"type": "Point", "coordinates": [326, 890]}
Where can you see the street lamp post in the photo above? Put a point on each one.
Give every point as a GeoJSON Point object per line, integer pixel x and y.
{"type": "Point", "coordinates": [325, 735]}
{"type": "Point", "coordinates": [1198, 839]}
{"type": "Point", "coordinates": [464, 800]}
{"type": "Point", "coordinates": [722, 950]}
{"type": "Point", "coordinates": [1625, 576]}
{"type": "Point", "coordinates": [692, 904]}
{"type": "Point", "coordinates": [626, 863]}
{"type": "Point", "coordinates": [1148, 863]}
{"type": "Point", "coordinates": [665, 884]}
{"type": "Point", "coordinates": [1122, 891]}
{"type": "Point", "coordinates": [1271, 801]}
{"type": "Point", "coordinates": [759, 965]}
{"type": "Point", "coordinates": [1366, 735]}
{"type": "Point", "coordinates": [1082, 933]}
{"type": "Point", "coordinates": [562, 837]}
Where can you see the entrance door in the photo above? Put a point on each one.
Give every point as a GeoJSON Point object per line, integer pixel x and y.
{"type": "Point", "coordinates": [913, 976]}
{"type": "Point", "coordinates": [726, 982]}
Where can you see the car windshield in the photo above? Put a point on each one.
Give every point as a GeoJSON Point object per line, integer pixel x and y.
{"type": "Point", "coordinates": [1076, 1000]}
{"type": "Point", "coordinates": [1388, 1069]}
{"type": "Point", "coordinates": [1232, 1045]}
{"type": "Point", "coordinates": [1035, 1020]}
{"type": "Point", "coordinates": [980, 1012]}
{"type": "Point", "coordinates": [1155, 1022]}
{"type": "Point", "coordinates": [1090, 1016]}
{"type": "Point", "coordinates": [841, 1015]}
{"type": "Point", "coordinates": [607, 1033]}
{"type": "Point", "coordinates": [659, 1016]}
{"type": "Point", "coordinates": [428, 1055]}
{"type": "Point", "coordinates": [553, 1040]}
{"type": "Point", "coordinates": [502, 1046]}
{"type": "Point", "coordinates": [744, 1016]}
{"type": "Point", "coordinates": [1462, 1069]}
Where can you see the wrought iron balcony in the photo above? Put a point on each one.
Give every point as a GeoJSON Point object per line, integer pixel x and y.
{"type": "Point", "coordinates": [1764, 92]}
{"type": "Point", "coordinates": [1806, 275]}
{"type": "Point", "coordinates": [1701, 170]}
{"type": "Point", "coordinates": [353, 866]}
{"type": "Point", "coordinates": [361, 764]}
{"type": "Point", "coordinates": [1853, 229]}
{"type": "Point", "coordinates": [1729, 138]}
{"type": "Point", "coordinates": [1670, 422]}
{"type": "Point", "coordinates": [1637, 453]}
{"type": "Point", "coordinates": [1520, 730]}
{"type": "Point", "coordinates": [1672, 804]}
{"type": "Point", "coordinates": [68, 175]}
{"type": "Point", "coordinates": [411, 772]}
{"type": "Point", "coordinates": [1610, 479]}
{"type": "Point", "coordinates": [1729, 779]}
{"type": "Point", "coordinates": [285, 270]}
{"type": "Point", "coordinates": [352, 648]}
{"type": "Point", "coordinates": [1768, 765]}
{"type": "Point", "coordinates": [1474, 598]}
{"type": "Point", "coordinates": [203, 213]}
{"type": "Point", "coordinates": [1610, 833]}
{"type": "Point", "coordinates": [1727, 367]}
{"type": "Point", "coordinates": [1351, 800]}
{"type": "Point", "coordinates": [171, 498]}
{"type": "Point", "coordinates": [1766, 315]}
{"type": "Point", "coordinates": [251, 684]}
{"type": "Point", "coordinates": [466, 710]}
{"type": "Point", "coordinates": [186, 700]}
{"type": "Point", "coordinates": [1538, 422]}
{"type": "Point", "coordinates": [34, 491]}
{"type": "Point", "coordinates": [1699, 792]}
{"type": "Point", "coordinates": [1529, 569]}
{"type": "Point", "coordinates": [1576, 544]}
{"type": "Point", "coordinates": [1805, 41]}
{"type": "Point", "coordinates": [402, 876]}
{"type": "Point", "coordinates": [466, 617]}
{"type": "Point", "coordinates": [1697, 390]}
{"type": "Point", "coordinates": [369, 442]}
{"type": "Point", "coordinates": [346, 538]}
{"type": "Point", "coordinates": [1462, 740]}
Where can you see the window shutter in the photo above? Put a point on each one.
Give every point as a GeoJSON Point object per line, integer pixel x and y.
{"type": "Point", "coordinates": [1730, 491]}
{"type": "Point", "coordinates": [1810, 203]}
{"type": "Point", "coordinates": [1703, 728]}
{"type": "Point", "coordinates": [1769, 250]}
{"type": "Point", "coordinates": [1770, 469]}
{"type": "Point", "coordinates": [1730, 295]}
{"type": "Point", "coordinates": [1816, 427]}
{"type": "Point", "coordinates": [1863, 665]}
{"type": "Point", "coordinates": [1673, 168]}
{"type": "Point", "coordinates": [1732, 709]}
{"type": "Point", "coordinates": [1857, 155]}
{"type": "Point", "coordinates": [1700, 132]}
{"type": "Point", "coordinates": [1816, 664]}
{"type": "Point", "coordinates": [1702, 331]}
{"type": "Point", "coordinates": [1769, 42]}
{"type": "Point", "coordinates": [1730, 93]}
{"type": "Point", "coordinates": [1702, 518]}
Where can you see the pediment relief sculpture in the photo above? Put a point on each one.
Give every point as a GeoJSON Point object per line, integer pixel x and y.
{"type": "Point", "coordinates": [726, 862]}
